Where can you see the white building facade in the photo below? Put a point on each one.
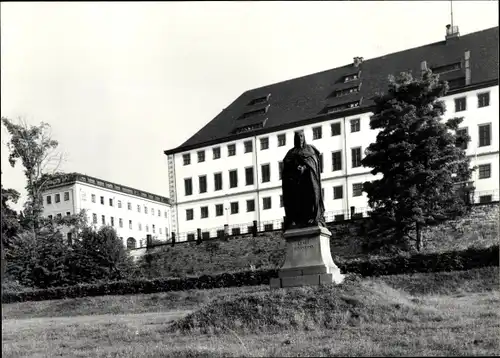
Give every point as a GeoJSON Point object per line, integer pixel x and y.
{"type": "Point", "coordinates": [236, 180]}
{"type": "Point", "coordinates": [133, 213]}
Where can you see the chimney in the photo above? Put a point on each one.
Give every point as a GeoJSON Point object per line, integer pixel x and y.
{"type": "Point", "coordinates": [423, 66]}
{"type": "Point", "coordinates": [452, 32]}
{"type": "Point", "coordinates": [357, 61]}
{"type": "Point", "coordinates": [467, 68]}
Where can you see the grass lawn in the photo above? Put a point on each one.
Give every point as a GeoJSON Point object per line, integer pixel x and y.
{"type": "Point", "coordinates": [422, 314]}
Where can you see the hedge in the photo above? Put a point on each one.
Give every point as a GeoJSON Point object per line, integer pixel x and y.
{"type": "Point", "coordinates": [436, 262]}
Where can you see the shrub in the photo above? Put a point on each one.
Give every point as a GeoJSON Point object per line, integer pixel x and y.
{"type": "Point", "coordinates": [448, 261]}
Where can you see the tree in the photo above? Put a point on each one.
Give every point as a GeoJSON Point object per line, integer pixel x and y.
{"type": "Point", "coordinates": [419, 157]}
{"type": "Point", "coordinates": [35, 148]}
{"type": "Point", "coordinates": [99, 255]}
{"type": "Point", "coordinates": [10, 220]}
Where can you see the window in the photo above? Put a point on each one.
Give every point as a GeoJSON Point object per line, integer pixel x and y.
{"type": "Point", "coordinates": [110, 202]}
{"type": "Point", "coordinates": [66, 195]}
{"type": "Point", "coordinates": [355, 125]}
{"type": "Point", "coordinates": [266, 203]}
{"type": "Point", "coordinates": [249, 176]}
{"type": "Point", "coordinates": [337, 160]}
{"type": "Point", "coordinates": [253, 113]}
{"type": "Point", "coordinates": [266, 173]}
{"type": "Point", "coordinates": [190, 237]}
{"type": "Point", "coordinates": [145, 209]}
{"type": "Point", "coordinates": [50, 217]}
{"type": "Point", "coordinates": [248, 146]}
{"type": "Point", "coordinates": [203, 183]}
{"type": "Point", "coordinates": [484, 135]}
{"type": "Point", "coordinates": [49, 199]}
{"type": "Point", "coordinates": [460, 104]}
{"type": "Point", "coordinates": [92, 198]}
{"type": "Point", "coordinates": [235, 231]}
{"type": "Point", "coordinates": [102, 200]}
{"type": "Point", "coordinates": [485, 171]}
{"type": "Point", "coordinates": [351, 77]}
{"type": "Point", "coordinates": [152, 212]}
{"type": "Point", "coordinates": [485, 199]}
{"type": "Point", "coordinates": [204, 212]}
{"type": "Point", "coordinates": [337, 192]}
{"type": "Point", "coordinates": [280, 169]}
{"type": "Point", "coordinates": [446, 68]}
{"type": "Point", "coordinates": [147, 228]}
{"type": "Point", "coordinates": [186, 158]}
{"type": "Point", "coordinates": [112, 221]}
{"type": "Point", "coordinates": [153, 227]}
{"type": "Point", "coordinates": [268, 227]}
{"type": "Point", "coordinates": [356, 157]}
{"type": "Point", "coordinates": [460, 133]}
{"type": "Point", "coordinates": [339, 217]}
{"type": "Point", "coordinates": [220, 233]}
{"type": "Point", "coordinates": [357, 189]}
{"type": "Point", "coordinates": [129, 206]}
{"type": "Point", "coordinates": [346, 91]}
{"type": "Point", "coordinates": [281, 201]}
{"type": "Point", "coordinates": [483, 99]}
{"type": "Point", "coordinates": [138, 208]}
{"type": "Point", "coordinates": [335, 129]}
{"type": "Point", "coordinates": [264, 143]}
{"type": "Point", "coordinates": [120, 222]}
{"type": "Point", "coordinates": [219, 210]}
{"type": "Point", "coordinates": [235, 207]}
{"type": "Point", "coordinates": [205, 235]}
{"type": "Point", "coordinates": [259, 100]}
{"type": "Point", "coordinates": [68, 213]}
{"type": "Point", "coordinates": [233, 178]}
{"type": "Point", "coordinates": [281, 140]}
{"type": "Point", "coordinates": [159, 213]}
{"type": "Point", "coordinates": [59, 216]}
{"type": "Point", "coordinates": [250, 205]}
{"type": "Point", "coordinates": [201, 156]}
{"type": "Point", "coordinates": [94, 218]}
{"type": "Point", "coordinates": [159, 230]}
{"type": "Point", "coordinates": [130, 224]}
{"type": "Point", "coordinates": [317, 133]}
{"type": "Point", "coordinates": [189, 214]}
{"type": "Point", "coordinates": [231, 150]}
{"type": "Point", "coordinates": [341, 107]}
{"type": "Point", "coordinates": [58, 198]}
{"type": "Point", "coordinates": [119, 204]}
{"type": "Point", "coordinates": [216, 152]}
{"type": "Point", "coordinates": [321, 163]}
{"type": "Point", "coordinates": [103, 219]}
{"type": "Point", "coordinates": [218, 181]}
{"type": "Point", "coordinates": [139, 225]}
{"type": "Point", "coordinates": [188, 186]}
{"type": "Point", "coordinates": [166, 215]}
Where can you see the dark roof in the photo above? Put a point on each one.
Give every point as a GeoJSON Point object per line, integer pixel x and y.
{"type": "Point", "coordinates": [304, 99]}
{"type": "Point", "coordinates": [70, 178]}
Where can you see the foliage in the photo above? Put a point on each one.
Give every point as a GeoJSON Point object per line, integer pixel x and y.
{"type": "Point", "coordinates": [418, 156]}
{"type": "Point", "coordinates": [448, 261]}
{"type": "Point", "coordinates": [10, 220]}
{"type": "Point", "coordinates": [98, 255]}
{"type": "Point", "coordinates": [36, 150]}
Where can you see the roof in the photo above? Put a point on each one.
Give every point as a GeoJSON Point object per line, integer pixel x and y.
{"type": "Point", "coordinates": [301, 100]}
{"type": "Point", "coordinates": [71, 178]}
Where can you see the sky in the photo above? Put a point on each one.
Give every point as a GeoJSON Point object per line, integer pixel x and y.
{"type": "Point", "coordinates": [120, 82]}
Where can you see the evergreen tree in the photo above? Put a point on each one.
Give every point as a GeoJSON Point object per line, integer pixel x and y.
{"type": "Point", "coordinates": [419, 157]}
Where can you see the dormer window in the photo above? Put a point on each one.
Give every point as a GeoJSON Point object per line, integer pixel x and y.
{"type": "Point", "coordinates": [257, 112]}
{"type": "Point", "coordinates": [446, 68]}
{"type": "Point", "coordinates": [260, 100]}
{"type": "Point", "coordinates": [342, 107]}
{"type": "Point", "coordinates": [346, 91]}
{"type": "Point", "coordinates": [351, 77]}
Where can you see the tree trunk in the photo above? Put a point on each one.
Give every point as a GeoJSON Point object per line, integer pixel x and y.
{"type": "Point", "coordinates": [419, 236]}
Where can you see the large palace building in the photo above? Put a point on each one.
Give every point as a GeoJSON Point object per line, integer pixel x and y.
{"type": "Point", "coordinates": [229, 172]}
{"type": "Point", "coordinates": [133, 213]}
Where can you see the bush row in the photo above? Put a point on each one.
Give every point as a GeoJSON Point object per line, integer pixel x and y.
{"type": "Point", "coordinates": [448, 261]}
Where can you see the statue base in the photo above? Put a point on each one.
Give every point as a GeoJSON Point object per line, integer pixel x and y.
{"type": "Point", "coordinates": [308, 259]}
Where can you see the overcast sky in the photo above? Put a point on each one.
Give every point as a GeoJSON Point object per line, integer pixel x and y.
{"type": "Point", "coordinates": [121, 82]}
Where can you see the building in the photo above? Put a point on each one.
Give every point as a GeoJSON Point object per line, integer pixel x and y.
{"type": "Point", "coordinates": [228, 173]}
{"type": "Point", "coordinates": [133, 213]}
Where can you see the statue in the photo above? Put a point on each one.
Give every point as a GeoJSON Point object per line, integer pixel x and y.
{"type": "Point", "coordinates": [301, 184]}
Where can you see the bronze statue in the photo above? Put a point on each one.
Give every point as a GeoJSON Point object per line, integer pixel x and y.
{"type": "Point", "coordinates": [301, 184]}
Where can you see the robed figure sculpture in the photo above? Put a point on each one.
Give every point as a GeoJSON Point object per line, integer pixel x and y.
{"type": "Point", "coordinates": [301, 184]}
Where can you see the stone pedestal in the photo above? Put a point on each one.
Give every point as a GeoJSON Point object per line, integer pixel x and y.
{"type": "Point", "coordinates": [308, 259]}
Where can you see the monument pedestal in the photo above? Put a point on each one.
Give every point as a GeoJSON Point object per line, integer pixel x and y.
{"type": "Point", "coordinates": [308, 259]}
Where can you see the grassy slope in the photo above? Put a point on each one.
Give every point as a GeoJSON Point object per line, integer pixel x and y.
{"type": "Point", "coordinates": [456, 316]}
{"type": "Point", "coordinates": [267, 251]}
